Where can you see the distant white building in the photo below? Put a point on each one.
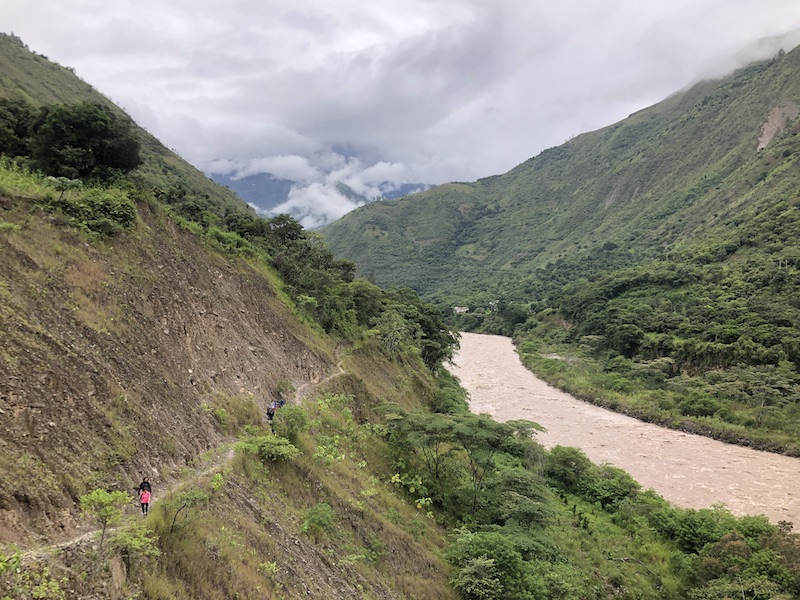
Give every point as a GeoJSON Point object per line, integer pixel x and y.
{"type": "Point", "coordinates": [460, 309]}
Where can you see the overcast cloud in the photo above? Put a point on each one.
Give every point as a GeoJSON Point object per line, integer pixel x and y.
{"type": "Point", "coordinates": [390, 91]}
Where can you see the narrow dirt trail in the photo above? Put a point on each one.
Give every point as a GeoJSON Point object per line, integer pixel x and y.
{"type": "Point", "coordinates": [688, 470]}
{"type": "Point", "coordinates": [215, 459]}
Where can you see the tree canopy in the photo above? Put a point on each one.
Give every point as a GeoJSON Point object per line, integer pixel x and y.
{"type": "Point", "coordinates": [82, 140]}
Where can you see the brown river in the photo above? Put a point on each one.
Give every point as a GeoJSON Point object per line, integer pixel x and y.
{"type": "Point", "coordinates": [688, 470]}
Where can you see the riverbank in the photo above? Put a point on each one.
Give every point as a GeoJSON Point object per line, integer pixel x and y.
{"type": "Point", "coordinates": [690, 471]}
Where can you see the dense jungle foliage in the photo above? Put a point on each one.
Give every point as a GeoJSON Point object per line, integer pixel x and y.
{"type": "Point", "coordinates": [86, 141]}
{"type": "Point", "coordinates": [657, 258]}
{"type": "Point", "coordinates": [529, 523]}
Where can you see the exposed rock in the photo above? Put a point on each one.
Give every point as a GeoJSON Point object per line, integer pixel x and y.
{"type": "Point", "coordinates": [778, 120]}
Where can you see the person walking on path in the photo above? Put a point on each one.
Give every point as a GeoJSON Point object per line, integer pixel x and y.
{"type": "Point", "coordinates": [273, 407]}
{"type": "Point", "coordinates": [145, 485]}
{"type": "Point", "coordinates": [144, 498]}
{"type": "Point", "coordinates": [145, 491]}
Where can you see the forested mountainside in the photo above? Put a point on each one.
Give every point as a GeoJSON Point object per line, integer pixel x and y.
{"type": "Point", "coordinates": [31, 78]}
{"type": "Point", "coordinates": [657, 258]}
{"type": "Point", "coordinates": [686, 170]}
{"type": "Point", "coordinates": [149, 321]}
{"type": "Point", "coordinates": [146, 329]}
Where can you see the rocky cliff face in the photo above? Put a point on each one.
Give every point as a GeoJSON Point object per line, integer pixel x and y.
{"type": "Point", "coordinates": [778, 120]}
{"type": "Point", "coordinates": [122, 358]}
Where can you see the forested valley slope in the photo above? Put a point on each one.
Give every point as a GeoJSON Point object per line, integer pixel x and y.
{"type": "Point", "coordinates": [651, 266]}
{"type": "Point", "coordinates": [149, 319]}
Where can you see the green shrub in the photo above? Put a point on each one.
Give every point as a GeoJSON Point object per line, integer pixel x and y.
{"type": "Point", "coordinates": [105, 211]}
{"type": "Point", "coordinates": [699, 405]}
{"type": "Point", "coordinates": [450, 398]}
{"type": "Point", "coordinates": [182, 502]}
{"type": "Point", "coordinates": [693, 529]}
{"type": "Point", "coordinates": [105, 227]}
{"type": "Point", "coordinates": [285, 387]}
{"type": "Point", "coordinates": [566, 466]}
{"type": "Point", "coordinates": [104, 506]}
{"type": "Point", "coordinates": [222, 417]}
{"type": "Point", "coordinates": [134, 543]}
{"type": "Point", "coordinates": [478, 579]}
{"type": "Point", "coordinates": [607, 485]}
{"type": "Point", "coordinates": [11, 562]}
{"type": "Point", "coordinates": [268, 447]}
{"type": "Point", "coordinates": [228, 239]}
{"type": "Point", "coordinates": [318, 520]}
{"type": "Point", "coordinates": [217, 481]}
{"type": "Point", "coordinates": [233, 413]}
{"type": "Point", "coordinates": [289, 422]}
{"type": "Point", "coordinates": [6, 227]}
{"type": "Point", "coordinates": [487, 565]}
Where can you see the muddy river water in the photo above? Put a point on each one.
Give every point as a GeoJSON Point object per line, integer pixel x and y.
{"type": "Point", "coordinates": [688, 470]}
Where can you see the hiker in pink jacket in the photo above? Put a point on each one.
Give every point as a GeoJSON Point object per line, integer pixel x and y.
{"type": "Point", "coordinates": [144, 498]}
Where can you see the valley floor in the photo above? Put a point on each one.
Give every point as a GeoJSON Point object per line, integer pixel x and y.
{"type": "Point", "coordinates": [688, 470]}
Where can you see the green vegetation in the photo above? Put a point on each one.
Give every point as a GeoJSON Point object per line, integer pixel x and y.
{"type": "Point", "coordinates": [82, 141]}
{"type": "Point", "coordinates": [290, 422]}
{"type": "Point", "coordinates": [100, 211]}
{"type": "Point", "coordinates": [318, 520]}
{"type": "Point", "coordinates": [269, 447]}
{"type": "Point", "coordinates": [533, 524]}
{"type": "Point", "coordinates": [36, 584]}
{"type": "Point", "coordinates": [380, 483]}
{"type": "Point", "coordinates": [105, 507]}
{"type": "Point", "coordinates": [657, 257]}
{"type": "Point", "coordinates": [706, 345]}
{"type": "Point", "coordinates": [205, 539]}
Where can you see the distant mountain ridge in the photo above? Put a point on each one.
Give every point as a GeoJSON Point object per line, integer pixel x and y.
{"type": "Point", "coordinates": [263, 190]}
{"type": "Point", "coordinates": [662, 178]}
{"type": "Point", "coordinates": [651, 266]}
{"type": "Point", "coordinates": [266, 192]}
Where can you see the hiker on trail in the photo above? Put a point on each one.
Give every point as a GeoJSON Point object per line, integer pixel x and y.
{"type": "Point", "coordinates": [145, 491]}
{"type": "Point", "coordinates": [144, 498]}
{"type": "Point", "coordinates": [273, 406]}
{"type": "Point", "coordinates": [145, 485]}
{"type": "Point", "coordinates": [281, 402]}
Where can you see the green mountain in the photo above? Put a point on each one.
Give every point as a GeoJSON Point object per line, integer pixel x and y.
{"type": "Point", "coordinates": [149, 320]}
{"type": "Point", "coordinates": [32, 78]}
{"type": "Point", "coordinates": [664, 177]}
{"type": "Point", "coordinates": [657, 259]}
{"type": "Point", "coordinates": [152, 346]}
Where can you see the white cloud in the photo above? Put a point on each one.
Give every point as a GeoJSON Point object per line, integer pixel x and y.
{"type": "Point", "coordinates": [296, 168]}
{"type": "Point", "coordinates": [316, 204]}
{"type": "Point", "coordinates": [409, 90]}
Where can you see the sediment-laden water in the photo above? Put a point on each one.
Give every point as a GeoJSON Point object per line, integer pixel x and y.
{"type": "Point", "coordinates": [688, 470]}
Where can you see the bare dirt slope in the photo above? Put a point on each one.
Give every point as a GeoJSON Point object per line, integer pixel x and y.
{"type": "Point", "coordinates": [117, 357]}
{"type": "Point", "coordinates": [690, 471]}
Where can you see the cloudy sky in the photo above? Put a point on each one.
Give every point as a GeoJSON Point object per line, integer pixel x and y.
{"type": "Point", "coordinates": [386, 91]}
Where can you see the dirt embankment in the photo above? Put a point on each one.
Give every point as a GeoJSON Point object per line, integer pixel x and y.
{"type": "Point", "coordinates": [688, 470]}
{"type": "Point", "coordinates": [116, 358]}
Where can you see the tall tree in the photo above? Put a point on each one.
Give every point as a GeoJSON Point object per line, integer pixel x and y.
{"type": "Point", "coordinates": [83, 140]}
